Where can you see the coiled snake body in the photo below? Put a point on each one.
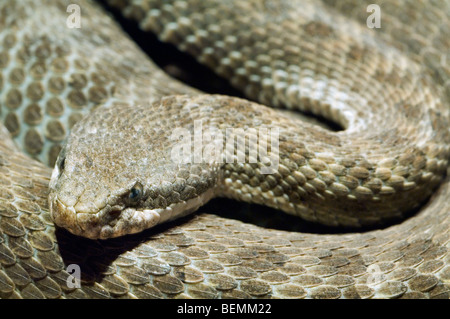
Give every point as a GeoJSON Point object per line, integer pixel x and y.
{"type": "Point", "coordinates": [388, 88]}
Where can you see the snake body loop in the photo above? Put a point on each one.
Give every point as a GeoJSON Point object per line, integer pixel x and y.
{"type": "Point", "coordinates": [387, 88]}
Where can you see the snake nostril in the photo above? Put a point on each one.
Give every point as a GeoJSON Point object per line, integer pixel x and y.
{"type": "Point", "coordinates": [114, 214]}
{"type": "Point", "coordinates": [113, 217]}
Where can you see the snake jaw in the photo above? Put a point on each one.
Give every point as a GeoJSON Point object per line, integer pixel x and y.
{"type": "Point", "coordinates": [116, 220]}
{"type": "Point", "coordinates": [104, 224]}
{"type": "Point", "coordinates": [130, 221]}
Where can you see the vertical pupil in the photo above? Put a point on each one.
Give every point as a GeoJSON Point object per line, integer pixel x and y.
{"type": "Point", "coordinates": [61, 163]}
{"type": "Point", "coordinates": [134, 193]}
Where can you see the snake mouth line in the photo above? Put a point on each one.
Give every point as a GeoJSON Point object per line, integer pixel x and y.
{"type": "Point", "coordinates": [116, 221]}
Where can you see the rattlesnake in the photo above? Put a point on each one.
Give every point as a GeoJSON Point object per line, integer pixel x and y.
{"type": "Point", "coordinates": [332, 65]}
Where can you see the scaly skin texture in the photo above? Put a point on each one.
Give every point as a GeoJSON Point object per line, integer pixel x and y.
{"type": "Point", "coordinates": [378, 168]}
{"type": "Point", "coordinates": [49, 72]}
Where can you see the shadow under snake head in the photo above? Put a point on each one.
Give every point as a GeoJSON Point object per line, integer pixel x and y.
{"type": "Point", "coordinates": [115, 176]}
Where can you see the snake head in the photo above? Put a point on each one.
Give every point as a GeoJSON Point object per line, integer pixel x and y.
{"type": "Point", "coordinates": [115, 177]}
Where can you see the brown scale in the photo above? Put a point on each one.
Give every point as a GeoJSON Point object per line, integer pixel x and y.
{"type": "Point", "coordinates": [34, 255]}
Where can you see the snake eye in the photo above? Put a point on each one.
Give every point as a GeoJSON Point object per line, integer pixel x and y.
{"type": "Point", "coordinates": [136, 193]}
